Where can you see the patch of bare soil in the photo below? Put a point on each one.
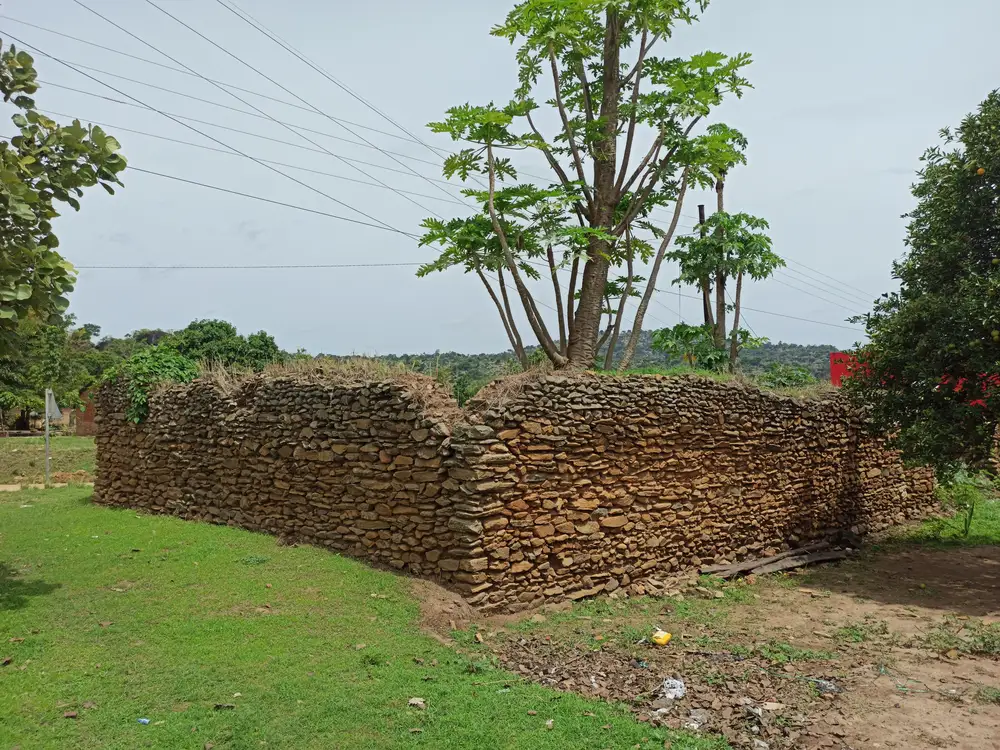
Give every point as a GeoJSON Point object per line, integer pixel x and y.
{"type": "Point", "coordinates": [856, 655]}
{"type": "Point", "coordinates": [441, 611]}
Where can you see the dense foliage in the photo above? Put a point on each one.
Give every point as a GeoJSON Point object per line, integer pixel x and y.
{"type": "Point", "coordinates": [67, 359]}
{"type": "Point", "coordinates": [141, 372]}
{"type": "Point", "coordinates": [44, 165]}
{"type": "Point", "coordinates": [931, 372]}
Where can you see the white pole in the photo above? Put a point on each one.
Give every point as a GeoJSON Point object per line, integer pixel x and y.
{"type": "Point", "coordinates": [48, 395]}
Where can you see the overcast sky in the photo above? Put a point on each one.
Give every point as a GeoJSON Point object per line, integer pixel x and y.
{"type": "Point", "coordinates": [846, 97]}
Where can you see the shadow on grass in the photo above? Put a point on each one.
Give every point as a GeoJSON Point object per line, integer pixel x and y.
{"type": "Point", "coordinates": [964, 580]}
{"type": "Point", "coordinates": [15, 592]}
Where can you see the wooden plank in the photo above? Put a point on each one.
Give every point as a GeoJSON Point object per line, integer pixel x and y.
{"type": "Point", "coordinates": [731, 569]}
{"type": "Point", "coordinates": [797, 562]}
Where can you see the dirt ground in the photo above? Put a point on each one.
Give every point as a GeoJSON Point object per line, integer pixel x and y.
{"type": "Point", "coordinates": [897, 649]}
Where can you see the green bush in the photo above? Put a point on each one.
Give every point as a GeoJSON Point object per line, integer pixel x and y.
{"type": "Point", "coordinates": [779, 375]}
{"type": "Point", "coordinates": [144, 370]}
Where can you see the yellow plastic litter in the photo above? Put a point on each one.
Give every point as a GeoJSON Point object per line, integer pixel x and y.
{"type": "Point", "coordinates": [661, 638]}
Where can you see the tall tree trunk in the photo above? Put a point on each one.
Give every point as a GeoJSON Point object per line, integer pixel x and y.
{"type": "Point", "coordinates": [734, 348]}
{"type": "Point", "coordinates": [583, 341]}
{"type": "Point", "coordinates": [517, 342]}
{"type": "Point", "coordinates": [558, 295]}
{"type": "Point", "coordinates": [647, 295]}
{"type": "Point", "coordinates": [705, 284]}
{"type": "Point", "coordinates": [570, 300]}
{"type": "Point", "coordinates": [720, 276]}
{"type": "Point", "coordinates": [609, 357]}
{"type": "Point", "coordinates": [535, 320]}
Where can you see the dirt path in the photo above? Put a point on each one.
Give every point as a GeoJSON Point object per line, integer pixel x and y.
{"type": "Point", "coordinates": [896, 650]}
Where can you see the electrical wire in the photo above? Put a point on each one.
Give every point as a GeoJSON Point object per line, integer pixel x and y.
{"type": "Point", "coordinates": [290, 92]}
{"type": "Point", "coordinates": [188, 73]}
{"type": "Point", "coordinates": [230, 93]}
{"type": "Point", "coordinates": [868, 295]}
{"type": "Point", "coordinates": [268, 267]}
{"type": "Point", "coordinates": [179, 141]}
{"type": "Point", "coordinates": [813, 295]}
{"type": "Point", "coordinates": [861, 296]}
{"type": "Point", "coordinates": [235, 130]}
{"type": "Point", "coordinates": [845, 296]}
{"type": "Point", "coordinates": [216, 140]}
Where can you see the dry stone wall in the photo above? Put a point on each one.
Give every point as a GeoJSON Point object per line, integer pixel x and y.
{"type": "Point", "coordinates": [573, 487]}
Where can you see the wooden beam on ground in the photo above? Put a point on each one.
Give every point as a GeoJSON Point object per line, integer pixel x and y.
{"type": "Point", "coordinates": [727, 570]}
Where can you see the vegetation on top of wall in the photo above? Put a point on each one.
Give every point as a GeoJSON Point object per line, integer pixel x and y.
{"type": "Point", "coordinates": [146, 369]}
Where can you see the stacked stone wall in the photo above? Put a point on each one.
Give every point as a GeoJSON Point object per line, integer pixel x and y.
{"type": "Point", "coordinates": [572, 487]}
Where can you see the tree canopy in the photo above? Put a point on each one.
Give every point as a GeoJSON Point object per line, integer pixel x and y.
{"type": "Point", "coordinates": [45, 165]}
{"type": "Point", "coordinates": [608, 91]}
{"type": "Point", "coordinates": [931, 372]}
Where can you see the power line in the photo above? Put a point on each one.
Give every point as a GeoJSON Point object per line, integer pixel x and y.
{"type": "Point", "coordinates": [846, 296]}
{"type": "Point", "coordinates": [269, 200]}
{"type": "Point", "coordinates": [294, 266]}
{"type": "Point", "coordinates": [287, 91]}
{"type": "Point", "coordinates": [859, 295]}
{"type": "Point", "coordinates": [213, 103]}
{"type": "Point", "coordinates": [781, 315]}
{"type": "Point", "coordinates": [180, 141]}
{"type": "Point", "coordinates": [188, 73]}
{"type": "Point", "coordinates": [237, 130]}
{"type": "Point", "coordinates": [260, 27]}
{"type": "Point", "coordinates": [212, 138]}
{"type": "Point", "coordinates": [813, 294]}
{"type": "Point", "coordinates": [230, 93]}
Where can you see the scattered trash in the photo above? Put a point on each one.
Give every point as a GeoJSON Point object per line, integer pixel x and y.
{"type": "Point", "coordinates": [698, 718]}
{"type": "Point", "coordinates": [640, 664]}
{"type": "Point", "coordinates": [532, 713]}
{"type": "Point", "coordinates": [69, 715]}
{"type": "Point", "coordinates": [159, 723]}
{"type": "Point", "coordinates": [674, 689]}
{"type": "Point", "coordinates": [479, 637]}
{"type": "Point", "coordinates": [416, 730]}
{"type": "Point", "coordinates": [760, 745]}
{"type": "Point", "coordinates": [825, 687]}
{"type": "Point", "coordinates": [772, 706]}
{"type": "Point", "coordinates": [503, 690]}
{"type": "Point", "coordinates": [106, 624]}
{"type": "Point", "coordinates": [6, 660]}
{"type": "Point", "coordinates": [88, 704]}
{"type": "Point", "coordinates": [661, 637]}
{"type": "Point", "coordinates": [418, 703]}
{"type": "Point", "coordinates": [225, 706]}
{"type": "Point", "coordinates": [550, 724]}
{"type": "Point", "coordinates": [359, 646]}
{"type": "Point", "coordinates": [143, 721]}
{"type": "Point", "coordinates": [237, 695]}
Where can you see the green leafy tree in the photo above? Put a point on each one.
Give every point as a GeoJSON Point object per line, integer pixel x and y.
{"type": "Point", "coordinates": [931, 371]}
{"type": "Point", "coordinates": [141, 373]}
{"type": "Point", "coordinates": [731, 246]}
{"type": "Point", "coordinates": [217, 341]}
{"type": "Point", "coordinates": [45, 165]}
{"type": "Point", "coordinates": [574, 52]}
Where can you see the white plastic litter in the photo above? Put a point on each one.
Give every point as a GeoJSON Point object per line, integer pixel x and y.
{"type": "Point", "coordinates": [674, 689]}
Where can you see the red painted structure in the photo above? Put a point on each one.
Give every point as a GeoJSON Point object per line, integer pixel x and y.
{"type": "Point", "coordinates": [840, 367]}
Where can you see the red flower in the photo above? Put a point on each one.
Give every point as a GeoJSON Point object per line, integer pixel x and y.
{"type": "Point", "coordinates": [978, 402]}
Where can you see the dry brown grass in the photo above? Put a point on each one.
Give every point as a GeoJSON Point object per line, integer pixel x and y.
{"type": "Point", "coordinates": [349, 372]}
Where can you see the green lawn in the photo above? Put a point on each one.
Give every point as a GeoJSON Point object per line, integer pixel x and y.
{"type": "Point", "coordinates": [22, 460]}
{"type": "Point", "coordinates": [949, 530]}
{"type": "Point", "coordinates": [126, 616]}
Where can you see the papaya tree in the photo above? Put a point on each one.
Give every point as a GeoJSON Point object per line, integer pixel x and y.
{"type": "Point", "coordinates": [731, 246]}
{"type": "Point", "coordinates": [607, 88]}
{"type": "Point", "coordinates": [45, 165]}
